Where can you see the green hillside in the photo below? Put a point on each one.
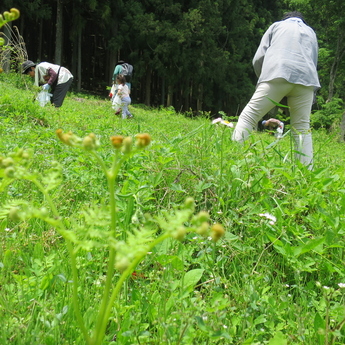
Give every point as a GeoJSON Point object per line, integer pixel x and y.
{"type": "Point", "coordinates": [113, 241]}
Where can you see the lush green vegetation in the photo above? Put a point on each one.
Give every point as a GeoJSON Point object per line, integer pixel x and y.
{"type": "Point", "coordinates": [192, 55]}
{"type": "Point", "coordinates": [276, 277]}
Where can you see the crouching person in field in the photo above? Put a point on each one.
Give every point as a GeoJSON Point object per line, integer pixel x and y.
{"type": "Point", "coordinates": [285, 63]}
{"type": "Point", "coordinates": [50, 76]}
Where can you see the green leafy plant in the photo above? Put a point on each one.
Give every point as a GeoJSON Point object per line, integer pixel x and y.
{"type": "Point", "coordinates": [328, 327]}
{"type": "Point", "coordinates": [257, 285]}
{"type": "Point", "coordinates": [14, 52]}
{"type": "Point", "coordinates": [329, 115]}
{"type": "Point", "coordinates": [101, 227]}
{"type": "Point", "coordinates": [6, 17]}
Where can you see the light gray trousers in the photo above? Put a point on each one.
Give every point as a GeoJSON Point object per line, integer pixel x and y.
{"type": "Point", "coordinates": [300, 100]}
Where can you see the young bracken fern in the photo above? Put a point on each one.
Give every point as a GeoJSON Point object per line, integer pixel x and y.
{"type": "Point", "coordinates": [124, 249]}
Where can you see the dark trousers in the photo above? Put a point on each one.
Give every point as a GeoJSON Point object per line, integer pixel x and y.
{"type": "Point", "coordinates": [59, 93]}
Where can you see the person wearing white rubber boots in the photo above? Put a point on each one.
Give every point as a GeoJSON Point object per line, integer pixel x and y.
{"type": "Point", "coordinates": [286, 65]}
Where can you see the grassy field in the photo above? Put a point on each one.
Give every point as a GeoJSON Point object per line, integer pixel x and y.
{"type": "Point", "coordinates": [110, 242]}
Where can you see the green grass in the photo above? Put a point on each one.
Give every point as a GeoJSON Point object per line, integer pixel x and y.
{"type": "Point", "coordinates": [264, 282]}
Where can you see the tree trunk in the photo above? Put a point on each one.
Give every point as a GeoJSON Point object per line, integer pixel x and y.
{"type": "Point", "coordinates": [114, 53]}
{"type": "Point", "coordinates": [186, 98]}
{"type": "Point", "coordinates": [80, 32]}
{"type": "Point", "coordinates": [162, 92]}
{"type": "Point", "coordinates": [112, 59]}
{"type": "Point", "coordinates": [339, 53]}
{"type": "Point", "coordinates": [40, 40]}
{"type": "Point", "coordinates": [59, 31]}
{"type": "Point", "coordinates": [342, 128]}
{"type": "Point", "coordinates": [170, 96]}
{"type": "Point", "coordinates": [199, 101]}
{"type": "Point", "coordinates": [148, 87]}
{"type": "Point", "coordinates": [200, 92]}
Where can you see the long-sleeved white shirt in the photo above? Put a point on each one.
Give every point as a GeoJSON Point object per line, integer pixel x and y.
{"type": "Point", "coordinates": [288, 50]}
{"type": "Point", "coordinates": [43, 69]}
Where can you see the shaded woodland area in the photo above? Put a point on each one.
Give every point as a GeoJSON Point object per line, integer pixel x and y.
{"type": "Point", "coordinates": [192, 55]}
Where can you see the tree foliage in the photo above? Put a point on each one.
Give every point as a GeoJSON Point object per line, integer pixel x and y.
{"type": "Point", "coordinates": [193, 55]}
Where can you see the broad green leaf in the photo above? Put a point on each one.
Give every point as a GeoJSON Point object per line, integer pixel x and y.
{"type": "Point", "coordinates": [170, 303]}
{"type": "Point", "coordinates": [177, 188]}
{"type": "Point", "coordinates": [319, 328]}
{"type": "Point", "coordinates": [260, 319]}
{"type": "Point", "coordinates": [278, 339]}
{"type": "Point", "coordinates": [201, 323]}
{"type": "Point", "coordinates": [308, 247]}
{"type": "Point", "coordinates": [275, 241]}
{"type": "Point", "coordinates": [192, 277]}
{"type": "Point", "coordinates": [221, 334]}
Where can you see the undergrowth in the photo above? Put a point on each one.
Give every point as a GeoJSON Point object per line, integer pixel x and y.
{"type": "Point", "coordinates": [276, 277]}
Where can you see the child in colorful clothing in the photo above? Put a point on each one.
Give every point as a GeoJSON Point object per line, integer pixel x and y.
{"type": "Point", "coordinates": [123, 92]}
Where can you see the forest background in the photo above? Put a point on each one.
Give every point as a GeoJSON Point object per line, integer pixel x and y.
{"type": "Point", "coordinates": [272, 273]}
{"type": "Point", "coordinates": [192, 55]}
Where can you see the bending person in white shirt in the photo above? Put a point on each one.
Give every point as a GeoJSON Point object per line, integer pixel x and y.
{"type": "Point", "coordinates": [285, 64]}
{"type": "Point", "coordinates": [50, 76]}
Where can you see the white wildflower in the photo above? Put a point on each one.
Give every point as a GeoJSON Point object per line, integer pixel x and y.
{"type": "Point", "coordinates": [219, 119]}
{"type": "Point", "coordinates": [269, 216]}
{"type": "Point", "coordinates": [223, 122]}
{"type": "Point", "coordinates": [341, 285]}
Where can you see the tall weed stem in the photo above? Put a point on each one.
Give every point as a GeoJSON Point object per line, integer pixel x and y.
{"type": "Point", "coordinates": [111, 178]}
{"type": "Point", "coordinates": [104, 316]}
